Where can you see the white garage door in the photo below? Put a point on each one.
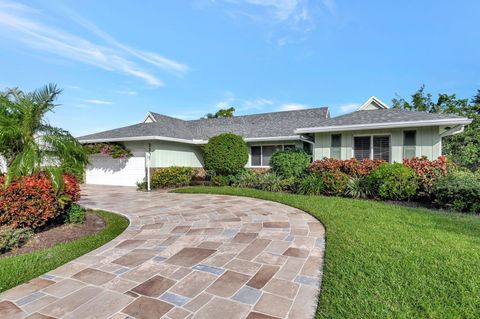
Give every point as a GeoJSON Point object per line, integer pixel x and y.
{"type": "Point", "coordinates": [104, 170]}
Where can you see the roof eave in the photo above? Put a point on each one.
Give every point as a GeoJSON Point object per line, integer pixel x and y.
{"type": "Point", "coordinates": [343, 128]}
{"type": "Point", "coordinates": [142, 138]}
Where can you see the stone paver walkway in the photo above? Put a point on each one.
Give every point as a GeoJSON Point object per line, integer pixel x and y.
{"type": "Point", "coordinates": [185, 256]}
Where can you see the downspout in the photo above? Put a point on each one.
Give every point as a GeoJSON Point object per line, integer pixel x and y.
{"type": "Point", "coordinates": [148, 166]}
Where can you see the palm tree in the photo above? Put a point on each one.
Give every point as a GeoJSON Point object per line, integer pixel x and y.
{"type": "Point", "coordinates": [29, 143]}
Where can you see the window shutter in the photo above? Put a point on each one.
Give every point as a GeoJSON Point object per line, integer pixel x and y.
{"type": "Point", "coordinates": [335, 149]}
{"type": "Point", "coordinates": [409, 144]}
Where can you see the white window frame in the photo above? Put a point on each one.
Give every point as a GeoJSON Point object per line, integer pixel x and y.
{"type": "Point", "coordinates": [371, 143]}
{"type": "Point", "coordinates": [261, 152]}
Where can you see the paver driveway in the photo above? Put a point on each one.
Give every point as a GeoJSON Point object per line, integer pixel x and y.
{"type": "Point", "coordinates": [185, 256]}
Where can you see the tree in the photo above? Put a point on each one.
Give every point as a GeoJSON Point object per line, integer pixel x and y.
{"type": "Point", "coordinates": [463, 148]}
{"type": "Point", "coordinates": [221, 113]}
{"type": "Point", "coordinates": [29, 143]}
{"type": "Point", "coordinates": [225, 154]}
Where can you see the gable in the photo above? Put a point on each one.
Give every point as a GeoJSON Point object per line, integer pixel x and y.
{"type": "Point", "coordinates": [373, 103]}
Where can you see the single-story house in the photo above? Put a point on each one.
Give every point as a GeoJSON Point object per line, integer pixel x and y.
{"type": "Point", "coordinates": [373, 131]}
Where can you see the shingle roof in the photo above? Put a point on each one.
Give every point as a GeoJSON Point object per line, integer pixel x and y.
{"type": "Point", "coordinates": [275, 124]}
{"type": "Point", "coordinates": [383, 116]}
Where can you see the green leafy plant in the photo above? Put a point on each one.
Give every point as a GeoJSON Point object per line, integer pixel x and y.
{"type": "Point", "coordinates": [225, 154]}
{"type": "Point", "coordinates": [357, 187]}
{"type": "Point", "coordinates": [29, 143]}
{"type": "Point", "coordinates": [115, 150]}
{"type": "Point", "coordinates": [393, 181]}
{"type": "Point", "coordinates": [141, 186]}
{"type": "Point", "coordinates": [459, 191]}
{"type": "Point", "coordinates": [75, 214]}
{"type": "Point", "coordinates": [335, 183]}
{"type": "Point", "coordinates": [290, 163]}
{"type": "Point", "coordinates": [220, 180]}
{"type": "Point", "coordinates": [13, 237]}
{"type": "Point", "coordinates": [311, 185]}
{"type": "Point", "coordinates": [174, 176]}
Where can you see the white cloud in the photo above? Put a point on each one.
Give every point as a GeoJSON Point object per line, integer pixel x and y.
{"type": "Point", "coordinates": [293, 107]}
{"type": "Point", "coordinates": [348, 107]}
{"type": "Point", "coordinates": [100, 102]}
{"type": "Point", "coordinates": [127, 92]}
{"type": "Point", "coordinates": [21, 23]}
{"type": "Point", "coordinates": [242, 105]}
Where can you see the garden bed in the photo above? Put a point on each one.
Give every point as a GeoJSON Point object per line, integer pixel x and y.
{"type": "Point", "coordinates": [61, 233]}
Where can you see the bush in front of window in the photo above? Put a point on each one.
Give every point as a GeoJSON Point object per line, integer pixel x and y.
{"type": "Point", "coordinates": [351, 167]}
{"type": "Point", "coordinates": [174, 176]}
{"type": "Point", "coordinates": [225, 154]}
{"type": "Point", "coordinates": [428, 171]}
{"type": "Point", "coordinates": [290, 163]}
{"type": "Point", "coordinates": [459, 191]}
{"type": "Point", "coordinates": [393, 182]}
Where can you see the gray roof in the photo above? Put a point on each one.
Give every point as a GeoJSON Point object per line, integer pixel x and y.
{"type": "Point", "coordinates": [384, 116]}
{"type": "Point", "coordinates": [275, 124]}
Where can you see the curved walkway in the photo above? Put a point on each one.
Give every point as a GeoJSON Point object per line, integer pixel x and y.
{"type": "Point", "coordinates": [185, 256]}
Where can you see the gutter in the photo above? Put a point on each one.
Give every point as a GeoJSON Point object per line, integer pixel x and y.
{"type": "Point", "coordinates": [342, 128]}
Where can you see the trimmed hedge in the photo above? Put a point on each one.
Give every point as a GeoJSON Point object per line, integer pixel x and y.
{"type": "Point", "coordinates": [393, 181]}
{"type": "Point", "coordinates": [225, 154]}
{"type": "Point", "coordinates": [290, 163]}
{"type": "Point", "coordinates": [459, 191]}
{"type": "Point", "coordinates": [174, 176]}
{"type": "Point", "coordinates": [351, 167]}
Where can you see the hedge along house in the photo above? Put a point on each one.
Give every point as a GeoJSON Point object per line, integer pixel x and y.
{"type": "Point", "coordinates": [373, 131]}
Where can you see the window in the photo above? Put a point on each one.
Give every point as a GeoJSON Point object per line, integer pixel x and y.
{"type": "Point", "coordinates": [381, 148]}
{"type": "Point", "coordinates": [256, 155]}
{"type": "Point", "coordinates": [336, 147]}
{"type": "Point", "coordinates": [372, 147]}
{"type": "Point", "coordinates": [361, 147]}
{"type": "Point", "coordinates": [261, 155]}
{"type": "Point", "coordinates": [409, 144]}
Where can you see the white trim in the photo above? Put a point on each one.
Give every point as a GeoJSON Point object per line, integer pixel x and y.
{"type": "Point", "coordinates": [343, 128]}
{"type": "Point", "coordinates": [149, 115]}
{"type": "Point", "coordinates": [274, 138]}
{"type": "Point", "coordinates": [454, 130]}
{"type": "Point", "coordinates": [365, 105]}
{"type": "Point", "coordinates": [143, 138]}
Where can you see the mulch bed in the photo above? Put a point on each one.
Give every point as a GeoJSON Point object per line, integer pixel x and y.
{"type": "Point", "coordinates": [60, 234]}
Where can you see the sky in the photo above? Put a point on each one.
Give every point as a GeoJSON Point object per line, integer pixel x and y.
{"type": "Point", "coordinates": [116, 60]}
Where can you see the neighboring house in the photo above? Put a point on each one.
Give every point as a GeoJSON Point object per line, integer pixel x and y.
{"type": "Point", "coordinates": [373, 131]}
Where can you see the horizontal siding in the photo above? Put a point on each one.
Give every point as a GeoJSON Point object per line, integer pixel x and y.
{"type": "Point", "coordinates": [165, 154]}
{"type": "Point", "coordinates": [428, 142]}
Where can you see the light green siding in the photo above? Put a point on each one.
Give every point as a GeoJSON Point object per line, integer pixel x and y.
{"type": "Point", "coordinates": [165, 154]}
{"type": "Point", "coordinates": [428, 142]}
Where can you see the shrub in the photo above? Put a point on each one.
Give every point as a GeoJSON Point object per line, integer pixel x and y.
{"type": "Point", "coordinates": [290, 163]}
{"type": "Point", "coordinates": [247, 178]}
{"type": "Point", "coordinates": [356, 168]}
{"type": "Point", "coordinates": [357, 187]}
{"type": "Point", "coordinates": [351, 167]}
{"type": "Point", "coordinates": [141, 186]}
{"type": "Point", "coordinates": [428, 171]}
{"type": "Point", "coordinates": [74, 214]}
{"type": "Point", "coordinates": [334, 183]}
{"type": "Point", "coordinates": [174, 176]}
{"type": "Point", "coordinates": [225, 154]}
{"type": "Point", "coordinates": [115, 150]}
{"type": "Point", "coordinates": [28, 202]}
{"type": "Point", "coordinates": [270, 182]}
{"type": "Point", "coordinates": [311, 185]}
{"type": "Point", "coordinates": [393, 181]}
{"type": "Point", "coordinates": [459, 191]}
{"type": "Point", "coordinates": [71, 187]}
{"type": "Point", "coordinates": [13, 237]}
{"type": "Point", "coordinates": [220, 180]}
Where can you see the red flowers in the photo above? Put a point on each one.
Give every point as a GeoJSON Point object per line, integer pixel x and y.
{"type": "Point", "coordinates": [32, 201]}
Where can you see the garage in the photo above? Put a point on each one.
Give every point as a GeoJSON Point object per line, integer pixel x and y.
{"type": "Point", "coordinates": [105, 170]}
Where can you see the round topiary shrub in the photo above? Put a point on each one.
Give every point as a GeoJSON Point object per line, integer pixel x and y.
{"type": "Point", "coordinates": [290, 163]}
{"type": "Point", "coordinates": [225, 154]}
{"type": "Point", "coordinates": [393, 181]}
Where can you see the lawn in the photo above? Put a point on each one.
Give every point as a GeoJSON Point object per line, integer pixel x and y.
{"type": "Point", "coordinates": [388, 261]}
{"type": "Point", "coordinates": [15, 270]}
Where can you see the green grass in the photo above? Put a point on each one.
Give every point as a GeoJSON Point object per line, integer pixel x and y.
{"type": "Point", "coordinates": [388, 261]}
{"type": "Point", "coordinates": [15, 270]}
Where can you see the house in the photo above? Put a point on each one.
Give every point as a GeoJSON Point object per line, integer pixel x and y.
{"type": "Point", "coordinates": [373, 131]}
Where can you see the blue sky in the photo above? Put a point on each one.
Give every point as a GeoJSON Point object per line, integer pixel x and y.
{"type": "Point", "coordinates": [117, 60]}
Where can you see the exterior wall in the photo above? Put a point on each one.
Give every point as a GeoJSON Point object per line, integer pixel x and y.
{"type": "Point", "coordinates": [3, 165]}
{"type": "Point", "coordinates": [298, 144]}
{"type": "Point", "coordinates": [165, 154]}
{"type": "Point", "coordinates": [428, 142]}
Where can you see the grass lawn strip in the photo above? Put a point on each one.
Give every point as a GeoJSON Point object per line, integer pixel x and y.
{"type": "Point", "coordinates": [16, 270]}
{"type": "Point", "coordinates": [389, 261]}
